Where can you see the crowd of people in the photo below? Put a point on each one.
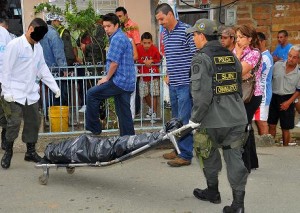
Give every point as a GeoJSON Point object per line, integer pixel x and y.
{"type": "Point", "coordinates": [206, 68]}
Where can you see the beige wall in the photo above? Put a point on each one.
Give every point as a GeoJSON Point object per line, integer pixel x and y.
{"type": "Point", "coordinates": [140, 12]}
{"type": "Point", "coordinates": [28, 12]}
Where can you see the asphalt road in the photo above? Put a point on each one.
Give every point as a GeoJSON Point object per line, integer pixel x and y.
{"type": "Point", "coordinates": [146, 183]}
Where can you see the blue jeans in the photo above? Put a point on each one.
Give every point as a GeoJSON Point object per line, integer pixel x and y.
{"type": "Point", "coordinates": [181, 107]}
{"type": "Point", "coordinates": [122, 106]}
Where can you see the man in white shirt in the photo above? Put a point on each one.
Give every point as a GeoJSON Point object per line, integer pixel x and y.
{"type": "Point", "coordinates": [23, 68]}
{"type": "Point", "coordinates": [4, 39]}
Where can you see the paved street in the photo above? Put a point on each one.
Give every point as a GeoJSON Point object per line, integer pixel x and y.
{"type": "Point", "coordinates": [146, 183]}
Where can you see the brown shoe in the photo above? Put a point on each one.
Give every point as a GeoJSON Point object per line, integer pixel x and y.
{"type": "Point", "coordinates": [177, 162]}
{"type": "Point", "coordinates": [170, 156]}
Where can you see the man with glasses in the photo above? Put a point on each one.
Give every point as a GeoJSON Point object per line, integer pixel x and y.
{"type": "Point", "coordinates": [227, 38]}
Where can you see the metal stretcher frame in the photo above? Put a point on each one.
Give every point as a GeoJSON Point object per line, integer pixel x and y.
{"type": "Point", "coordinates": [173, 136]}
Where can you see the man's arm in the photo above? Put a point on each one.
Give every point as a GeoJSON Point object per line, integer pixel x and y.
{"type": "Point", "coordinates": [58, 51]}
{"type": "Point", "coordinates": [9, 57]}
{"type": "Point", "coordinates": [112, 69]}
{"type": "Point", "coordinates": [45, 75]}
{"type": "Point", "coordinates": [275, 55]}
{"type": "Point", "coordinates": [201, 87]}
{"type": "Point", "coordinates": [285, 105]}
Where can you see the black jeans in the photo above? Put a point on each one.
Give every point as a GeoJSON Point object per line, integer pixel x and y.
{"type": "Point", "coordinates": [250, 156]}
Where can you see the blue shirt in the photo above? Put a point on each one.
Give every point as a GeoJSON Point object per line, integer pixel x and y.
{"type": "Point", "coordinates": [53, 48]}
{"type": "Point", "coordinates": [121, 52]}
{"type": "Point", "coordinates": [179, 50]}
{"type": "Point", "coordinates": [266, 77]}
{"type": "Point", "coordinates": [282, 52]}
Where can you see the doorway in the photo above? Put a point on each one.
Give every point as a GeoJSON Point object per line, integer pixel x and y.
{"type": "Point", "coordinates": [11, 11]}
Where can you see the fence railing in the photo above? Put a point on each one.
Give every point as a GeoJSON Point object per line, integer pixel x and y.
{"type": "Point", "coordinates": [66, 114]}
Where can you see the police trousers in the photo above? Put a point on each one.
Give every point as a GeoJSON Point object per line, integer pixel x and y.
{"type": "Point", "coordinates": [14, 113]}
{"type": "Point", "coordinates": [2, 114]}
{"type": "Point", "coordinates": [232, 138]}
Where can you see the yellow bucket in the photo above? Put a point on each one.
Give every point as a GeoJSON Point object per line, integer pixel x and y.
{"type": "Point", "coordinates": [59, 118]}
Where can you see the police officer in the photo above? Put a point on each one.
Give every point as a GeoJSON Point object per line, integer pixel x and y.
{"type": "Point", "coordinates": [218, 106]}
{"type": "Point", "coordinates": [65, 35]}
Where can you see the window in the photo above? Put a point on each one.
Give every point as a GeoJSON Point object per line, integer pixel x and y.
{"type": "Point", "coordinates": [12, 12]}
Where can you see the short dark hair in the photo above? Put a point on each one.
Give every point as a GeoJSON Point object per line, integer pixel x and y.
{"type": "Point", "coordinates": [164, 8]}
{"type": "Point", "coordinates": [210, 37]}
{"type": "Point", "coordinates": [38, 22]}
{"type": "Point", "coordinates": [283, 32]}
{"type": "Point", "coordinates": [4, 21]}
{"type": "Point", "coordinates": [261, 36]}
{"type": "Point", "coordinates": [146, 35]}
{"type": "Point", "coordinates": [111, 17]}
{"type": "Point", "coordinates": [121, 9]}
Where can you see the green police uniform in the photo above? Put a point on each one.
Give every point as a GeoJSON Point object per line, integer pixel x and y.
{"type": "Point", "coordinates": [215, 88]}
{"type": "Point", "coordinates": [68, 47]}
{"type": "Point", "coordinates": [218, 106]}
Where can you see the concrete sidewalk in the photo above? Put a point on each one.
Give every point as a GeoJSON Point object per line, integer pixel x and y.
{"type": "Point", "coordinates": [146, 183]}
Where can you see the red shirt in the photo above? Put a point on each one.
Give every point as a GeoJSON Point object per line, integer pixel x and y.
{"type": "Point", "coordinates": [151, 54]}
{"type": "Point", "coordinates": [132, 31]}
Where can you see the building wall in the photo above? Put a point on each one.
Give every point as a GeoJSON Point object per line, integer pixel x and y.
{"type": "Point", "coordinates": [270, 16]}
{"type": "Point", "coordinates": [141, 13]}
{"type": "Point", "coordinates": [28, 12]}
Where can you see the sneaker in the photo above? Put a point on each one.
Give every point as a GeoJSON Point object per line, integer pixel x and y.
{"type": "Point", "coordinates": [292, 144]}
{"type": "Point", "coordinates": [298, 124]}
{"type": "Point", "coordinates": [82, 109]}
{"type": "Point", "coordinates": [167, 105]}
{"type": "Point", "coordinates": [178, 162]}
{"type": "Point", "coordinates": [170, 156]}
{"type": "Point", "coordinates": [149, 113]}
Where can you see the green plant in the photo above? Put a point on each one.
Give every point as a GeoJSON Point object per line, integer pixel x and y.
{"type": "Point", "coordinates": [46, 7]}
{"type": "Point", "coordinates": [85, 22]}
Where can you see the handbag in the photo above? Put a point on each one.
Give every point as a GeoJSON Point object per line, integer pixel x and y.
{"type": "Point", "coordinates": [248, 86]}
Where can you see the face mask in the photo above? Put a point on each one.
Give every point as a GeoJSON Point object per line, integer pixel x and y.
{"type": "Point", "coordinates": [39, 33]}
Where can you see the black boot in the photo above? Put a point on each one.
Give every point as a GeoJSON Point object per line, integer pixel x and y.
{"type": "Point", "coordinates": [211, 194]}
{"type": "Point", "coordinates": [237, 205]}
{"type": "Point", "coordinates": [31, 154]}
{"type": "Point", "coordinates": [5, 161]}
{"type": "Point", "coordinates": [3, 139]}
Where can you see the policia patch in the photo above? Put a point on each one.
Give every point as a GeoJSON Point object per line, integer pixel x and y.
{"type": "Point", "coordinates": [225, 79]}
{"type": "Point", "coordinates": [224, 60]}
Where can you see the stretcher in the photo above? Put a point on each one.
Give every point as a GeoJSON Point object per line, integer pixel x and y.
{"type": "Point", "coordinates": [164, 136]}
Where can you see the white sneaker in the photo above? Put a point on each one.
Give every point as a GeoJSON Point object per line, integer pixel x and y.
{"type": "Point", "coordinates": [82, 109]}
{"type": "Point", "coordinates": [149, 113]}
{"type": "Point", "coordinates": [298, 124]}
{"type": "Point", "coordinates": [292, 144]}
